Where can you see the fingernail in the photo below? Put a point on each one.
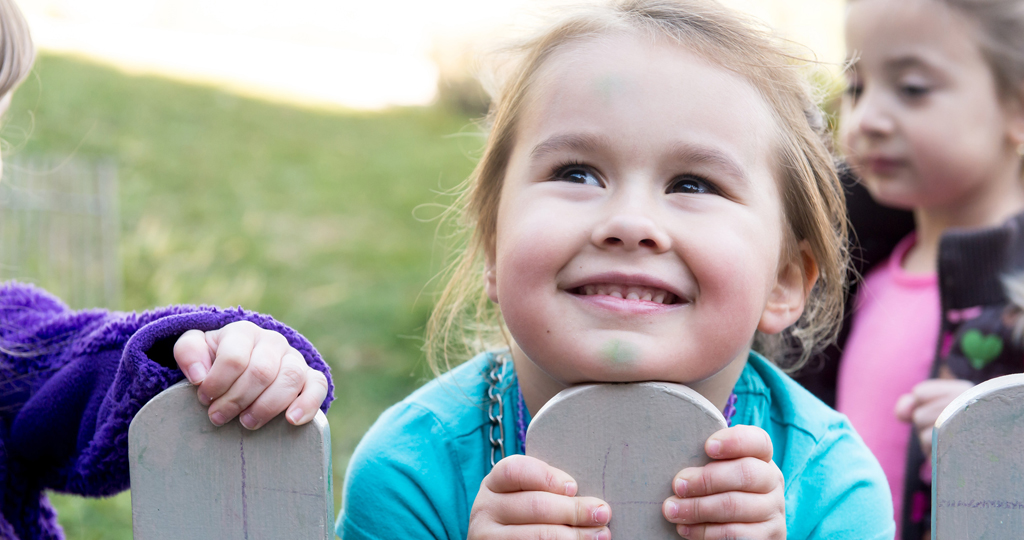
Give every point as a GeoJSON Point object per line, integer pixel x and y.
{"type": "Point", "coordinates": [217, 418]}
{"type": "Point", "coordinates": [205, 399]}
{"type": "Point", "coordinates": [295, 415]}
{"type": "Point", "coordinates": [714, 448]}
{"type": "Point", "coordinates": [601, 515]}
{"type": "Point", "coordinates": [680, 487]}
{"type": "Point", "coordinates": [570, 489]}
{"type": "Point", "coordinates": [603, 534]}
{"type": "Point", "coordinates": [671, 510]}
{"type": "Point", "coordinates": [249, 421]}
{"type": "Point", "coordinates": [683, 530]}
{"type": "Point", "coordinates": [196, 373]}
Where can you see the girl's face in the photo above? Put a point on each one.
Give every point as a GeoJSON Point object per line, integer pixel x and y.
{"type": "Point", "coordinates": [639, 230]}
{"type": "Point", "coordinates": [922, 122]}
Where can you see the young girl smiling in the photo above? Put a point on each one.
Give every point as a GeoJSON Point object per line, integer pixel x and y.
{"type": "Point", "coordinates": [654, 196]}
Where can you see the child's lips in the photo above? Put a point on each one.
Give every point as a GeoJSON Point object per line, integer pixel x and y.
{"type": "Point", "coordinates": [631, 293]}
{"type": "Point", "coordinates": [628, 292]}
{"type": "Point", "coordinates": [883, 165]}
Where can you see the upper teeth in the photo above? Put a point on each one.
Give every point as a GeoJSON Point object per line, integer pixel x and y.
{"type": "Point", "coordinates": [630, 292]}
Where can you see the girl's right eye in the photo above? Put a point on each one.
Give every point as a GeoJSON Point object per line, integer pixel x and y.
{"type": "Point", "coordinates": [577, 174]}
{"type": "Point", "coordinates": [853, 91]}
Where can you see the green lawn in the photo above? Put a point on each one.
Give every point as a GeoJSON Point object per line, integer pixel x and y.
{"type": "Point", "coordinates": [308, 215]}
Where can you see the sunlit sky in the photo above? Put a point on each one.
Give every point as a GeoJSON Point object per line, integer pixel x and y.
{"type": "Point", "coordinates": [364, 55]}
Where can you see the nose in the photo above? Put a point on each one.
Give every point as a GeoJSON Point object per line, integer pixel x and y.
{"type": "Point", "coordinates": [870, 115]}
{"type": "Point", "coordinates": [631, 231]}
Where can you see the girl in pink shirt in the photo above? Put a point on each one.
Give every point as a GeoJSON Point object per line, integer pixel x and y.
{"type": "Point", "coordinates": [933, 122]}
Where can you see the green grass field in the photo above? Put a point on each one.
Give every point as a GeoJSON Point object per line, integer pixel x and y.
{"type": "Point", "coordinates": [312, 216]}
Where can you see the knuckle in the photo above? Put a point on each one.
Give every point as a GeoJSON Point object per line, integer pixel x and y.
{"type": "Point", "coordinates": [579, 514]}
{"type": "Point", "coordinates": [707, 477]}
{"type": "Point", "coordinates": [232, 361]}
{"type": "Point", "coordinates": [263, 373]}
{"type": "Point", "coordinates": [728, 505]}
{"type": "Point", "coordinates": [748, 475]}
{"type": "Point", "coordinates": [550, 479]}
{"type": "Point", "coordinates": [291, 377]}
{"type": "Point", "coordinates": [696, 510]}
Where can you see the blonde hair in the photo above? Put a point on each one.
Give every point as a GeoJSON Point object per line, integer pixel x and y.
{"type": "Point", "coordinates": [464, 322]}
{"type": "Point", "coordinates": [16, 49]}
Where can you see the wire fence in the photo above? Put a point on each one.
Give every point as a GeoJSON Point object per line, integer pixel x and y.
{"type": "Point", "coordinates": [60, 228]}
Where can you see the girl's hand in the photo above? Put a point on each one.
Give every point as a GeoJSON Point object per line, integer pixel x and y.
{"type": "Point", "coordinates": [523, 497]}
{"type": "Point", "coordinates": [244, 369]}
{"type": "Point", "coordinates": [923, 405]}
{"type": "Point", "coordinates": [740, 495]}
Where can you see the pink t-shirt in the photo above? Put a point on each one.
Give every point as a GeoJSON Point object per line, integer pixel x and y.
{"type": "Point", "coordinates": [890, 349]}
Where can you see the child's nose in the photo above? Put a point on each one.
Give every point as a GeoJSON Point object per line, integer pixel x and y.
{"type": "Point", "coordinates": [871, 116]}
{"type": "Point", "coordinates": [631, 232]}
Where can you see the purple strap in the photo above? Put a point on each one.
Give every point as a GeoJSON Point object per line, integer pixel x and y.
{"type": "Point", "coordinates": [520, 420]}
{"type": "Point", "coordinates": [730, 409]}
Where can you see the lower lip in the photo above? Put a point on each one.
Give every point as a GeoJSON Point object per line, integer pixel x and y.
{"type": "Point", "coordinates": [884, 167]}
{"type": "Point", "coordinates": [624, 305]}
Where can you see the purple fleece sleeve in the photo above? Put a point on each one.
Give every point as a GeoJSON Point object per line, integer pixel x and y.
{"type": "Point", "coordinates": [71, 431]}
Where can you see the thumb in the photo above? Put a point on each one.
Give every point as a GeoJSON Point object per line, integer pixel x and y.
{"type": "Point", "coordinates": [194, 355]}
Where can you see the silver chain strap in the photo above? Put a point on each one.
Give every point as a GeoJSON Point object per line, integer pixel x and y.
{"type": "Point", "coordinates": [495, 409]}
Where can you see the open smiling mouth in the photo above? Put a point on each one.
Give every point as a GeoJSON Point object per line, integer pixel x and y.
{"type": "Point", "coordinates": [628, 292]}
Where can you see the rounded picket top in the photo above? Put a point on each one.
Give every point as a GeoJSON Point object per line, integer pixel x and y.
{"type": "Point", "coordinates": [192, 479]}
{"type": "Point", "coordinates": [977, 463]}
{"type": "Point", "coordinates": [624, 443]}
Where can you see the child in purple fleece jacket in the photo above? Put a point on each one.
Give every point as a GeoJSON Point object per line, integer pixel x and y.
{"type": "Point", "coordinates": [71, 381]}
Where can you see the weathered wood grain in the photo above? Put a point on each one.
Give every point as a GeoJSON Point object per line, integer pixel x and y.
{"type": "Point", "coordinates": [624, 443]}
{"type": "Point", "coordinates": [978, 463]}
{"type": "Point", "coordinates": [191, 479]}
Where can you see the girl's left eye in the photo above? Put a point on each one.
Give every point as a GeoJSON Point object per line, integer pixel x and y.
{"type": "Point", "coordinates": [914, 91]}
{"type": "Point", "coordinates": [691, 184]}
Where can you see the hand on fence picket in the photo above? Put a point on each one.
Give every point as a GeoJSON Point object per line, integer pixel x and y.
{"type": "Point", "coordinates": [525, 497]}
{"type": "Point", "coordinates": [242, 369]}
{"type": "Point", "coordinates": [739, 495]}
{"type": "Point", "coordinates": [923, 405]}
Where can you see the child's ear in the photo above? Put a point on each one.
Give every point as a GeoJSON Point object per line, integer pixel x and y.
{"type": "Point", "coordinates": [1015, 120]}
{"type": "Point", "coordinates": [792, 289]}
{"type": "Point", "coordinates": [490, 279]}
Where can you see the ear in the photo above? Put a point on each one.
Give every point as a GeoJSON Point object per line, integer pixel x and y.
{"type": "Point", "coordinates": [1014, 112]}
{"type": "Point", "coordinates": [490, 278]}
{"type": "Point", "coordinates": [792, 289]}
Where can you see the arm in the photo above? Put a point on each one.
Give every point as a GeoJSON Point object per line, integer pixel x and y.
{"type": "Point", "coordinates": [74, 380]}
{"type": "Point", "coordinates": [839, 492]}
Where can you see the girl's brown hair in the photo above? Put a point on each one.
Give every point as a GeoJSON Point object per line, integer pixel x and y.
{"type": "Point", "coordinates": [16, 49]}
{"type": "Point", "coordinates": [999, 31]}
{"type": "Point", "coordinates": [464, 322]}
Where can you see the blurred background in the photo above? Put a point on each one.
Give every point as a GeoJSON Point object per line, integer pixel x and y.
{"type": "Point", "coordinates": [286, 157]}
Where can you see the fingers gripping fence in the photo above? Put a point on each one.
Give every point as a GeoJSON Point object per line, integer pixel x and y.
{"type": "Point", "coordinates": [191, 479]}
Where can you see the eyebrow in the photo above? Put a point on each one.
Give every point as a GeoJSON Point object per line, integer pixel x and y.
{"type": "Point", "coordinates": [907, 62]}
{"type": "Point", "coordinates": [698, 154]}
{"type": "Point", "coordinates": [572, 141]}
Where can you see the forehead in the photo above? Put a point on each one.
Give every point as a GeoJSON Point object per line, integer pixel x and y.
{"type": "Point", "coordinates": [895, 35]}
{"type": "Point", "coordinates": [646, 93]}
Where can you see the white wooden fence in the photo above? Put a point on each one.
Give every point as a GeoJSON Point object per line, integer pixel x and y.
{"type": "Point", "coordinates": [191, 479]}
{"type": "Point", "coordinates": [60, 227]}
{"type": "Point", "coordinates": [978, 463]}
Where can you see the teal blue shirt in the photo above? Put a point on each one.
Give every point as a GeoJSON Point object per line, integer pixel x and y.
{"type": "Point", "coordinates": [417, 471]}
